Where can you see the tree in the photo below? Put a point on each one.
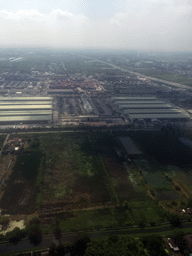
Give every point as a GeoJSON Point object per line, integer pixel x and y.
{"type": "Point", "coordinates": [178, 236]}
{"type": "Point", "coordinates": [35, 235]}
{"type": "Point", "coordinates": [80, 244]}
{"type": "Point", "coordinates": [125, 205]}
{"type": "Point", "coordinates": [57, 234]}
{"type": "Point", "coordinates": [4, 221]}
{"type": "Point", "coordinates": [154, 245]}
{"type": "Point", "coordinates": [170, 130]}
{"type": "Point", "coordinates": [34, 221]}
{"type": "Point", "coordinates": [14, 236]}
{"type": "Point", "coordinates": [52, 249]}
{"type": "Point", "coordinates": [152, 223]}
{"type": "Point", "coordinates": [175, 220]}
{"type": "Point", "coordinates": [124, 245]}
{"type": "Point", "coordinates": [60, 250]}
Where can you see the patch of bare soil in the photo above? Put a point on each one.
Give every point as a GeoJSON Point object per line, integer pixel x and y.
{"type": "Point", "coordinates": [117, 171]}
{"type": "Point", "coordinates": [6, 166]}
{"type": "Point", "coordinates": [183, 188]}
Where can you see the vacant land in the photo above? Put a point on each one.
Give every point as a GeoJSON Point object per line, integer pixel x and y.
{"type": "Point", "coordinates": [2, 139]}
{"type": "Point", "coordinates": [86, 180]}
{"type": "Point", "coordinates": [19, 193]}
{"type": "Point", "coordinates": [73, 173]}
{"type": "Point", "coordinates": [167, 76]}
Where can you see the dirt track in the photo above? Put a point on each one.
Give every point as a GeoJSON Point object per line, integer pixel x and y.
{"type": "Point", "coordinates": [184, 190]}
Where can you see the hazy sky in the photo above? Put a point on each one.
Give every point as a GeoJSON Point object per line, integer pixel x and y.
{"type": "Point", "coordinates": [114, 24]}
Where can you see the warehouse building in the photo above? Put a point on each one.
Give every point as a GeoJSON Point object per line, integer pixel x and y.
{"type": "Point", "coordinates": [16, 110]}
{"type": "Point", "coordinates": [164, 116]}
{"type": "Point", "coordinates": [148, 108]}
{"type": "Point", "coordinates": [133, 98]}
{"type": "Point", "coordinates": [145, 106]}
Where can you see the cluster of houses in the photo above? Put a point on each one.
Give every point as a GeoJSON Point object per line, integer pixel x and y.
{"type": "Point", "coordinates": [188, 210]}
{"type": "Point", "coordinates": [14, 146]}
{"type": "Point", "coordinates": [175, 248]}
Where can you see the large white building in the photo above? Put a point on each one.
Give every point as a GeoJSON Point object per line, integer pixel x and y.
{"type": "Point", "coordinates": [14, 110]}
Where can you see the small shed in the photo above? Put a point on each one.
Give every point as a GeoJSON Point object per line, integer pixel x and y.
{"type": "Point", "coordinates": [172, 245]}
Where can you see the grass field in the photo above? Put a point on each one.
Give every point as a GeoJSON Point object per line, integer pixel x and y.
{"type": "Point", "coordinates": [167, 76]}
{"type": "Point", "coordinates": [73, 172]}
{"type": "Point", "coordinates": [2, 139]}
{"type": "Point", "coordinates": [85, 183]}
{"type": "Point", "coordinates": [19, 196]}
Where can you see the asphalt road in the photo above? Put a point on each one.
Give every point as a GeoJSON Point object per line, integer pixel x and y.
{"type": "Point", "coordinates": [68, 237]}
{"type": "Point", "coordinates": [87, 130]}
{"type": "Point", "coordinates": [148, 77]}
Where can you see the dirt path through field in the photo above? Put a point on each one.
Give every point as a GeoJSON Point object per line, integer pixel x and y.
{"type": "Point", "coordinates": [80, 209]}
{"type": "Point", "coordinates": [184, 190]}
{"type": "Point", "coordinates": [6, 166]}
{"type": "Point", "coordinates": [148, 188]}
{"type": "Point", "coordinates": [5, 142]}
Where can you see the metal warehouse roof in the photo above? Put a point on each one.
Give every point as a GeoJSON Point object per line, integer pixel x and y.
{"type": "Point", "coordinates": [123, 90]}
{"type": "Point", "coordinates": [129, 146]}
{"type": "Point", "coordinates": [26, 113]}
{"type": "Point", "coordinates": [24, 118]}
{"type": "Point", "coordinates": [139, 102]}
{"type": "Point", "coordinates": [148, 111]}
{"type": "Point", "coordinates": [23, 107]}
{"type": "Point", "coordinates": [133, 98]}
{"type": "Point", "coordinates": [143, 106]}
{"type": "Point", "coordinates": [60, 90]}
{"type": "Point", "coordinates": [162, 116]}
{"type": "Point", "coordinates": [25, 98]}
{"type": "Point", "coordinates": [25, 102]}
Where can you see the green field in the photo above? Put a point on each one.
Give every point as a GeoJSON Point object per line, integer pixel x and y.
{"type": "Point", "coordinates": [79, 181]}
{"type": "Point", "coordinates": [167, 76]}
{"type": "Point", "coordinates": [2, 139]}
{"type": "Point", "coordinates": [20, 193]}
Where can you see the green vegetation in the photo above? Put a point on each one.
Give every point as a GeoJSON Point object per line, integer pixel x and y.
{"type": "Point", "coordinates": [19, 193]}
{"type": "Point", "coordinates": [81, 180]}
{"type": "Point", "coordinates": [115, 245]}
{"type": "Point", "coordinates": [2, 139]}
{"type": "Point", "coordinates": [167, 76]}
{"type": "Point", "coordinates": [90, 67]}
{"type": "Point", "coordinates": [23, 66]}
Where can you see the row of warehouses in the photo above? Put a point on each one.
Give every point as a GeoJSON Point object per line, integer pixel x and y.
{"type": "Point", "coordinates": [25, 110]}
{"type": "Point", "coordinates": [148, 108]}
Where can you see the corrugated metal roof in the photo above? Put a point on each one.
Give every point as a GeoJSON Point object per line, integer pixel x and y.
{"type": "Point", "coordinates": [25, 113]}
{"type": "Point", "coordinates": [139, 102]}
{"type": "Point", "coordinates": [148, 111]}
{"type": "Point", "coordinates": [129, 146]}
{"type": "Point", "coordinates": [133, 98]}
{"type": "Point", "coordinates": [23, 107]}
{"type": "Point", "coordinates": [25, 98]}
{"type": "Point", "coordinates": [143, 106]}
{"type": "Point", "coordinates": [24, 118]}
{"type": "Point", "coordinates": [25, 102]}
{"type": "Point", "coordinates": [167, 116]}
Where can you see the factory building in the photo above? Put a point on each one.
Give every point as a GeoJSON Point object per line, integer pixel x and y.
{"type": "Point", "coordinates": [16, 110]}
{"type": "Point", "coordinates": [148, 108]}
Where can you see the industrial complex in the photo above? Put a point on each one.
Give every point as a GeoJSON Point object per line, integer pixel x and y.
{"type": "Point", "coordinates": [19, 110]}
{"type": "Point", "coordinates": [143, 108]}
{"type": "Point", "coordinates": [80, 99]}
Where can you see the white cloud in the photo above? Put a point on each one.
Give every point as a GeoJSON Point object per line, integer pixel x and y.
{"type": "Point", "coordinates": [158, 25]}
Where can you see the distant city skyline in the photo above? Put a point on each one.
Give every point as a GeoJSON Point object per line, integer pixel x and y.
{"type": "Point", "coordinates": [152, 25]}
